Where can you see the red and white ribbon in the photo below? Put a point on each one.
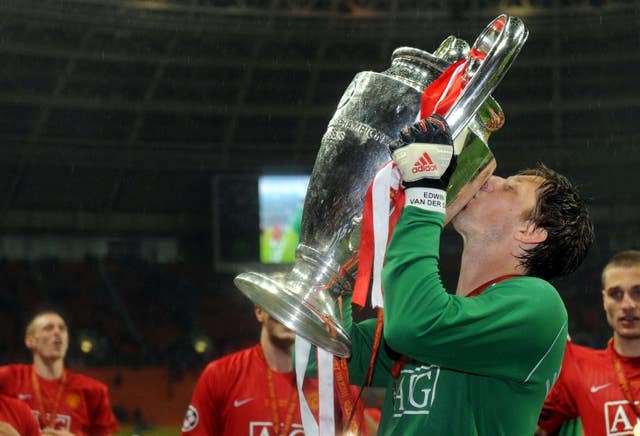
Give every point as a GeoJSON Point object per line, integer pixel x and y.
{"type": "Point", "coordinates": [382, 204]}
{"type": "Point", "coordinates": [379, 206]}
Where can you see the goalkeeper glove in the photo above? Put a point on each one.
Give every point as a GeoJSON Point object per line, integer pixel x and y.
{"type": "Point", "coordinates": [425, 158]}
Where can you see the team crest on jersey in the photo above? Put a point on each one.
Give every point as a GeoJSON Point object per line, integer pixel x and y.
{"type": "Point", "coordinates": [312, 400]}
{"type": "Point", "coordinates": [620, 418]}
{"type": "Point", "coordinates": [415, 390]}
{"type": "Point", "coordinates": [73, 401]}
{"type": "Point", "coordinates": [190, 419]}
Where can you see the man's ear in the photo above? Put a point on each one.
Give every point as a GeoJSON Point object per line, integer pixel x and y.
{"type": "Point", "coordinates": [29, 342]}
{"type": "Point", "coordinates": [529, 233]}
{"type": "Point", "coordinates": [260, 314]}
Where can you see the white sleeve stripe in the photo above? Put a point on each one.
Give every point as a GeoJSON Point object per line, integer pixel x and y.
{"type": "Point", "coordinates": [545, 354]}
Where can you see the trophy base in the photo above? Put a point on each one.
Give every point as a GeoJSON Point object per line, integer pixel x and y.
{"type": "Point", "coordinates": [281, 302]}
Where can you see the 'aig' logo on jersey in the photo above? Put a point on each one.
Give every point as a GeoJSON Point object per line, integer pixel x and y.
{"type": "Point", "coordinates": [415, 390]}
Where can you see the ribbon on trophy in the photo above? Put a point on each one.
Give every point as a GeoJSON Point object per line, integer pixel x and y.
{"type": "Point", "coordinates": [383, 204]}
{"type": "Point", "coordinates": [326, 420]}
{"type": "Point", "coordinates": [385, 198]}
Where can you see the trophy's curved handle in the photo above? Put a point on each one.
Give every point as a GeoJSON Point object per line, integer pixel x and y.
{"type": "Point", "coordinates": [501, 42]}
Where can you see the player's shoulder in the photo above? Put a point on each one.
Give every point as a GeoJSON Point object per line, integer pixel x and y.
{"type": "Point", "coordinates": [84, 382]}
{"type": "Point", "coordinates": [525, 287]}
{"type": "Point", "coordinates": [16, 367]}
{"type": "Point", "coordinates": [15, 370]}
{"type": "Point", "coordinates": [529, 284]}
{"type": "Point", "coordinates": [13, 403]}
{"type": "Point", "coordinates": [235, 361]}
{"type": "Point", "coordinates": [529, 289]}
{"type": "Point", "coordinates": [578, 349]}
{"type": "Point", "coordinates": [583, 356]}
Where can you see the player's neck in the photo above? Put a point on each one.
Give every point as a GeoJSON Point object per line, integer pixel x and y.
{"type": "Point", "coordinates": [48, 369]}
{"type": "Point", "coordinates": [626, 347]}
{"type": "Point", "coordinates": [278, 356]}
{"type": "Point", "coordinates": [478, 267]}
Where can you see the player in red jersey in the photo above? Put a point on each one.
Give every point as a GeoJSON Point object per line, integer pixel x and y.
{"type": "Point", "coordinates": [251, 392]}
{"type": "Point", "coordinates": [16, 418]}
{"type": "Point", "coordinates": [63, 402]}
{"type": "Point", "coordinates": [602, 387]}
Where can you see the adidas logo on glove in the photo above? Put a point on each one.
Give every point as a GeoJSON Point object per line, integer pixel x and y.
{"type": "Point", "coordinates": [424, 165]}
{"type": "Point", "coordinates": [430, 164]}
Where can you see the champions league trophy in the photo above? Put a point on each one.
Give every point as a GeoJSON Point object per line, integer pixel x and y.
{"type": "Point", "coordinates": [369, 116]}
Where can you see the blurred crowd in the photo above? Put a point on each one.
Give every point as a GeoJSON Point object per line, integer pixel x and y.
{"type": "Point", "coordinates": [127, 312]}
{"type": "Point", "coordinates": [136, 313]}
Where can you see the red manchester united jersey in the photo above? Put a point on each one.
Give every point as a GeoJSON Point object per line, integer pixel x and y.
{"type": "Point", "coordinates": [234, 397]}
{"type": "Point", "coordinates": [589, 387]}
{"type": "Point", "coordinates": [18, 415]}
{"type": "Point", "coordinates": [80, 404]}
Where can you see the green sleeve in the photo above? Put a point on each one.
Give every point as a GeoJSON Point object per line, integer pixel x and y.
{"type": "Point", "coordinates": [362, 335]}
{"type": "Point", "coordinates": [512, 330]}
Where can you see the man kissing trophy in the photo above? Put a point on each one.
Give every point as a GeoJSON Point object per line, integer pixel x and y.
{"type": "Point", "coordinates": [455, 80]}
{"type": "Point", "coordinates": [354, 193]}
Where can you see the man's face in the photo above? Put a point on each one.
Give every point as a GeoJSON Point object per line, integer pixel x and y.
{"type": "Point", "coordinates": [48, 337]}
{"type": "Point", "coordinates": [498, 210]}
{"type": "Point", "coordinates": [276, 331]}
{"type": "Point", "coordinates": [621, 300]}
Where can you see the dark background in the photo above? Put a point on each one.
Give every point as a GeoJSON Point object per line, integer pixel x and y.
{"type": "Point", "coordinates": [132, 134]}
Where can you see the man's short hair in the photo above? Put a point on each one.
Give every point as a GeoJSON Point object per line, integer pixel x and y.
{"type": "Point", "coordinates": [627, 259]}
{"type": "Point", "coordinates": [37, 314]}
{"type": "Point", "coordinates": [562, 212]}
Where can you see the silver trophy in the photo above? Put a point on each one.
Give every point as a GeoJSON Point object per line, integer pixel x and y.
{"type": "Point", "coordinates": [369, 116]}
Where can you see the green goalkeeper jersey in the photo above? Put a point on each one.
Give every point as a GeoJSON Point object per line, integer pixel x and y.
{"type": "Point", "coordinates": [477, 365]}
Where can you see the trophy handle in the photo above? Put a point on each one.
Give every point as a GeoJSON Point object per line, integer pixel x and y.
{"type": "Point", "coordinates": [475, 114]}
{"type": "Point", "coordinates": [501, 41]}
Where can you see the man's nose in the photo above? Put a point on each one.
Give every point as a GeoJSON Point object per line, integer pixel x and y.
{"type": "Point", "coordinates": [628, 302]}
{"type": "Point", "coordinates": [492, 183]}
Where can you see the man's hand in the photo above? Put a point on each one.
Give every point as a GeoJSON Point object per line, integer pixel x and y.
{"type": "Point", "coordinates": [424, 153]}
{"type": "Point", "coordinates": [424, 156]}
{"type": "Point", "coordinates": [7, 429]}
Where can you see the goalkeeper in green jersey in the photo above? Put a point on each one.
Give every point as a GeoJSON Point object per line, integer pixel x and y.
{"type": "Point", "coordinates": [479, 362]}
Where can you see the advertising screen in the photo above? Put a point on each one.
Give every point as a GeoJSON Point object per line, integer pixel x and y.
{"type": "Point", "coordinates": [281, 200]}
